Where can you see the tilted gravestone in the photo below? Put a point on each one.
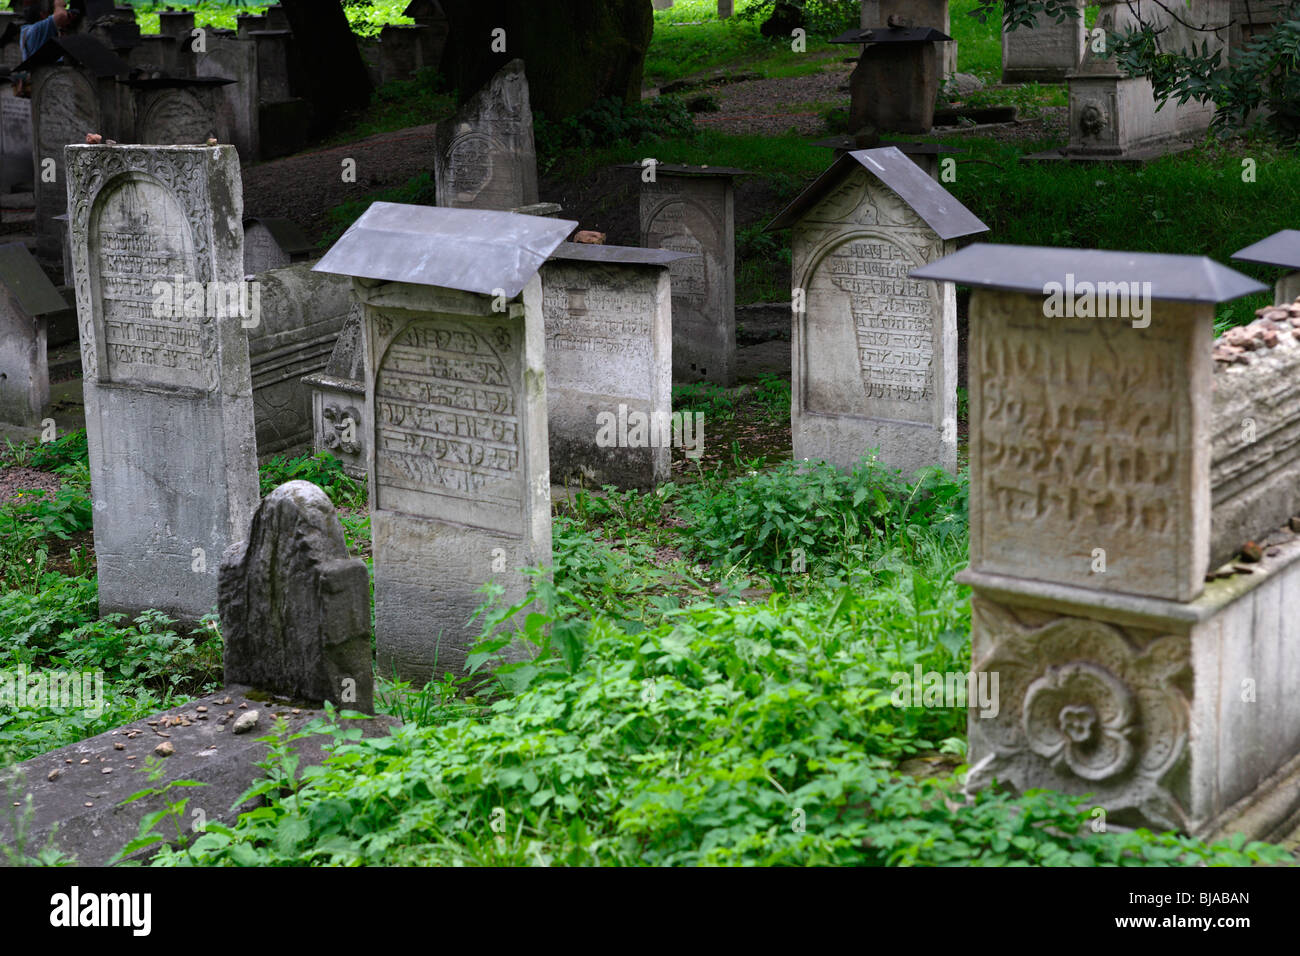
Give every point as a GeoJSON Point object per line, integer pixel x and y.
{"type": "Point", "coordinates": [1124, 674]}
{"type": "Point", "coordinates": [874, 352]}
{"type": "Point", "coordinates": [609, 348]}
{"type": "Point", "coordinates": [337, 394]}
{"type": "Point", "coordinates": [295, 607]}
{"type": "Point", "coordinates": [157, 254]}
{"type": "Point", "coordinates": [27, 299]}
{"type": "Point", "coordinates": [272, 243]}
{"type": "Point", "coordinates": [456, 405]}
{"type": "Point", "coordinates": [691, 209]}
{"type": "Point", "coordinates": [484, 157]}
{"type": "Point", "coordinates": [299, 316]}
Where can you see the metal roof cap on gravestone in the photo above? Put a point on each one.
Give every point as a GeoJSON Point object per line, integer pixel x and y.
{"type": "Point", "coordinates": [893, 35]}
{"type": "Point", "coordinates": [1173, 278]}
{"type": "Point", "coordinates": [679, 169]}
{"type": "Point", "coordinates": [619, 255]}
{"type": "Point", "coordinates": [940, 209]}
{"type": "Point", "coordinates": [288, 235]}
{"type": "Point", "coordinates": [1280, 249]}
{"type": "Point", "coordinates": [82, 49]}
{"type": "Point", "coordinates": [20, 273]}
{"type": "Point", "coordinates": [472, 250]}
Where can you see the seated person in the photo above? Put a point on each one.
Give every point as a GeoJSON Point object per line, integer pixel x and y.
{"type": "Point", "coordinates": [35, 35]}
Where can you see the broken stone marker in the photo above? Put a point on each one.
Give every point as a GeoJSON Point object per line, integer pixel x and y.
{"type": "Point", "coordinates": [484, 157]}
{"type": "Point", "coordinates": [455, 410]}
{"type": "Point", "coordinates": [27, 300]}
{"type": "Point", "coordinates": [295, 607]}
{"type": "Point", "coordinates": [874, 357]}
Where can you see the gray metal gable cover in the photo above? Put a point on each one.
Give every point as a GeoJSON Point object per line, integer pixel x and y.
{"type": "Point", "coordinates": [1280, 249]}
{"type": "Point", "coordinates": [618, 255]}
{"type": "Point", "coordinates": [472, 250]}
{"type": "Point", "coordinates": [21, 275]}
{"type": "Point", "coordinates": [939, 208]}
{"type": "Point", "coordinates": [1173, 278]}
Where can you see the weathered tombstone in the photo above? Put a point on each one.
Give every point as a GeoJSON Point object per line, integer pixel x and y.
{"type": "Point", "coordinates": [338, 394]}
{"type": "Point", "coordinates": [179, 112]}
{"type": "Point", "coordinates": [894, 86]}
{"type": "Point", "coordinates": [609, 347]}
{"type": "Point", "coordinates": [456, 404]}
{"type": "Point", "coordinates": [299, 316]}
{"type": "Point", "coordinates": [691, 209]}
{"type": "Point", "coordinates": [1046, 51]}
{"type": "Point", "coordinates": [726, 8]}
{"type": "Point", "coordinates": [429, 14]}
{"type": "Point", "coordinates": [168, 394]}
{"type": "Point", "coordinates": [70, 98]}
{"type": "Point", "coordinates": [236, 109]}
{"type": "Point", "coordinates": [295, 607]}
{"type": "Point", "coordinates": [484, 157]}
{"type": "Point", "coordinates": [914, 13]}
{"type": "Point", "coordinates": [874, 352]}
{"type": "Point", "coordinates": [272, 243]}
{"type": "Point", "coordinates": [1123, 673]}
{"type": "Point", "coordinates": [1282, 249]}
{"type": "Point", "coordinates": [402, 51]}
{"type": "Point", "coordinates": [27, 299]}
{"type": "Point", "coordinates": [15, 140]}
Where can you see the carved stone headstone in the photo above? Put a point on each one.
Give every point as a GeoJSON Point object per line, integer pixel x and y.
{"type": "Point", "coordinates": [609, 346]}
{"type": "Point", "coordinates": [484, 157]}
{"type": "Point", "coordinates": [456, 404]}
{"type": "Point", "coordinates": [236, 107]}
{"type": "Point", "coordinates": [271, 243]}
{"type": "Point", "coordinates": [300, 314]}
{"type": "Point", "coordinates": [65, 107]}
{"type": "Point", "coordinates": [295, 607]}
{"type": "Point", "coordinates": [691, 209]}
{"type": "Point", "coordinates": [1046, 50]}
{"type": "Point", "coordinates": [27, 299]}
{"type": "Point", "coordinates": [874, 351]}
{"type": "Point", "coordinates": [168, 115]}
{"type": "Point", "coordinates": [338, 394]}
{"type": "Point", "coordinates": [169, 398]}
{"type": "Point", "coordinates": [15, 140]}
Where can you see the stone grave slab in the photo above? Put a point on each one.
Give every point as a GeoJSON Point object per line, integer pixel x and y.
{"type": "Point", "coordinates": [27, 300]}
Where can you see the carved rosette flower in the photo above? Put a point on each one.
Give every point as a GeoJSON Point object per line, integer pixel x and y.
{"type": "Point", "coordinates": [1085, 707]}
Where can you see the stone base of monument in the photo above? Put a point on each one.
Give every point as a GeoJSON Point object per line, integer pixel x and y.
{"type": "Point", "coordinates": [1171, 715]}
{"type": "Point", "coordinates": [77, 791]}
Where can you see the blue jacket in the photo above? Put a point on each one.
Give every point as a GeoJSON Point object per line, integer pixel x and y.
{"type": "Point", "coordinates": [33, 36]}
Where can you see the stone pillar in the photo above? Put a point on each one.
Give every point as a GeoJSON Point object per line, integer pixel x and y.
{"type": "Point", "coordinates": [691, 209]}
{"type": "Point", "coordinates": [608, 312]}
{"type": "Point", "coordinates": [169, 403]}
{"type": "Point", "coordinates": [27, 300]}
{"type": "Point", "coordinates": [456, 404]}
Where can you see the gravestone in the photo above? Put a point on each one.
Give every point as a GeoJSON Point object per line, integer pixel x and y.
{"type": "Point", "coordinates": [1045, 51]}
{"type": "Point", "coordinates": [484, 156]}
{"type": "Point", "coordinates": [295, 607]}
{"type": "Point", "coordinates": [609, 343]}
{"type": "Point", "coordinates": [300, 315]}
{"type": "Point", "coordinates": [874, 352]}
{"type": "Point", "coordinates": [894, 86]}
{"type": "Point", "coordinates": [456, 404]}
{"type": "Point", "coordinates": [1282, 250]}
{"type": "Point", "coordinates": [1124, 674]}
{"type": "Point", "coordinates": [27, 300]}
{"type": "Point", "coordinates": [915, 13]}
{"type": "Point", "coordinates": [15, 140]}
{"type": "Point", "coordinates": [663, 4]}
{"type": "Point", "coordinates": [429, 14]}
{"type": "Point", "coordinates": [272, 243]}
{"type": "Point", "coordinates": [691, 209]}
{"type": "Point", "coordinates": [338, 394]}
{"type": "Point", "coordinates": [168, 394]}
{"type": "Point", "coordinates": [236, 108]}
{"type": "Point", "coordinates": [179, 112]}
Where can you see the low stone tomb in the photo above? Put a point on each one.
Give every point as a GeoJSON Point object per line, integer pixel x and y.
{"type": "Point", "coordinates": [874, 352]}
{"type": "Point", "coordinates": [458, 465]}
{"type": "Point", "coordinates": [608, 312]}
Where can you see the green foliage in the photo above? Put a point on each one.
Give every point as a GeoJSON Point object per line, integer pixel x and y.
{"type": "Point", "coordinates": [322, 469]}
{"type": "Point", "coordinates": [29, 521]}
{"type": "Point", "coordinates": [400, 104]}
{"type": "Point", "coordinates": [419, 190]}
{"type": "Point", "coordinates": [67, 449]}
{"type": "Point", "coordinates": [716, 403]}
{"type": "Point", "coordinates": [611, 124]}
{"type": "Point", "coordinates": [757, 734]}
{"type": "Point", "coordinates": [773, 396]}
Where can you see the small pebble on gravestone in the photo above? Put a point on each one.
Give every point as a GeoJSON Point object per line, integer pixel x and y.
{"type": "Point", "coordinates": [164, 749]}
{"type": "Point", "coordinates": [245, 722]}
{"type": "Point", "coordinates": [1252, 552]}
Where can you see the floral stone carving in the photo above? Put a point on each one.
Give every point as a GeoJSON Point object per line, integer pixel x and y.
{"type": "Point", "coordinates": [1086, 708]}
